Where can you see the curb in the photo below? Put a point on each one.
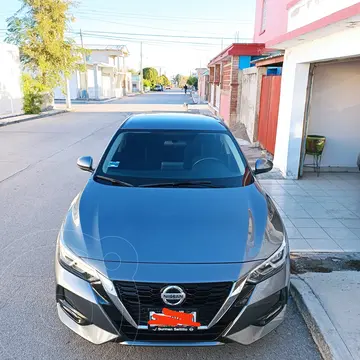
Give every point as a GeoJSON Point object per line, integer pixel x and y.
{"type": "Point", "coordinates": [323, 331]}
{"type": "Point", "coordinates": [6, 123]}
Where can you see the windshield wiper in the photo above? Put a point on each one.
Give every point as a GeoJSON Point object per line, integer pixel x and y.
{"type": "Point", "coordinates": [207, 184]}
{"type": "Point", "coordinates": [113, 181]}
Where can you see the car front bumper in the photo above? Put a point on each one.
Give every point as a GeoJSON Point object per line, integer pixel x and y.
{"type": "Point", "coordinates": [87, 310]}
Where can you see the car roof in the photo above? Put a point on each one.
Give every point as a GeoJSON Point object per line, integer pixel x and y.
{"type": "Point", "coordinates": [173, 121]}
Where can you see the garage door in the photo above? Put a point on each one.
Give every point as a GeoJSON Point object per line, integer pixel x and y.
{"type": "Point", "coordinates": [334, 112]}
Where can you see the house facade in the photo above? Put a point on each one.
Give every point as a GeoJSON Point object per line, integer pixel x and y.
{"type": "Point", "coordinates": [225, 74]}
{"type": "Point", "coordinates": [320, 79]}
{"type": "Point", "coordinates": [136, 83]}
{"type": "Point", "coordinates": [203, 83]}
{"type": "Point", "coordinates": [11, 97]}
{"type": "Point", "coordinates": [105, 77]}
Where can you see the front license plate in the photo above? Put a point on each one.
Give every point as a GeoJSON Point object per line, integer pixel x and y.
{"type": "Point", "coordinates": [162, 322]}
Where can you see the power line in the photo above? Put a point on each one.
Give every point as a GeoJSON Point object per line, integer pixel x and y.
{"type": "Point", "coordinates": [102, 36]}
{"type": "Point", "coordinates": [106, 20]}
{"type": "Point", "coordinates": [160, 35]}
{"type": "Point", "coordinates": [159, 17]}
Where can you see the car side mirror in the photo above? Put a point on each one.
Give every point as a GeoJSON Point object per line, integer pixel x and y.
{"type": "Point", "coordinates": [85, 163]}
{"type": "Point", "coordinates": [263, 166]}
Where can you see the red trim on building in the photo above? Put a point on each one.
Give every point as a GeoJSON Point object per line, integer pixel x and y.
{"type": "Point", "coordinates": [316, 25]}
{"type": "Point", "coordinates": [251, 49]}
{"type": "Point", "coordinates": [291, 4]}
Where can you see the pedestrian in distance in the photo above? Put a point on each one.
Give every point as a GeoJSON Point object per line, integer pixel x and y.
{"type": "Point", "coordinates": [185, 88]}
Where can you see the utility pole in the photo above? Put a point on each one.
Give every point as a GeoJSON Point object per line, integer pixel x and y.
{"type": "Point", "coordinates": [141, 69]}
{"type": "Point", "coordinates": [85, 64]}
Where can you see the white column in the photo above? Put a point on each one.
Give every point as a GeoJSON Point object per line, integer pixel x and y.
{"type": "Point", "coordinates": [291, 117]}
{"type": "Point", "coordinates": [112, 91]}
{"type": "Point", "coordinates": [68, 95]}
{"type": "Point", "coordinates": [96, 83]}
{"type": "Point", "coordinates": [78, 84]}
{"type": "Point", "coordinates": [126, 83]}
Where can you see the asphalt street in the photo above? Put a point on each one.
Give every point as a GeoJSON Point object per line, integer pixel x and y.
{"type": "Point", "coordinates": [38, 180]}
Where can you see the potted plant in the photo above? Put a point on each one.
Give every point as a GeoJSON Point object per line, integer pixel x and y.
{"type": "Point", "coordinates": [315, 144]}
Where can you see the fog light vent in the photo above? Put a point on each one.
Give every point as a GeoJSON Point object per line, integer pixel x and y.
{"type": "Point", "coordinates": [73, 313]}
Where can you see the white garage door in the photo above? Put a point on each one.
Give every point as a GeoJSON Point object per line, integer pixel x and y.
{"type": "Point", "coordinates": [335, 112]}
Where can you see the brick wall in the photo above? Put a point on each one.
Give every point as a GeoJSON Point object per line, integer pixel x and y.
{"type": "Point", "coordinates": [234, 91]}
{"type": "Point", "coordinates": [217, 73]}
{"type": "Point", "coordinates": [212, 74]}
{"type": "Point", "coordinates": [226, 76]}
{"type": "Point", "coordinates": [235, 69]}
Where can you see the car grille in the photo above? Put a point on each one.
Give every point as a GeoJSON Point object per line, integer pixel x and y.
{"type": "Point", "coordinates": [204, 298]}
{"type": "Point", "coordinates": [199, 298]}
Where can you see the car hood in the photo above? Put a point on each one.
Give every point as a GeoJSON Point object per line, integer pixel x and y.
{"type": "Point", "coordinates": [170, 225]}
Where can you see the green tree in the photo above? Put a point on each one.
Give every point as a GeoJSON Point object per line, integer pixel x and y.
{"type": "Point", "coordinates": [177, 79]}
{"type": "Point", "coordinates": [150, 74]}
{"type": "Point", "coordinates": [163, 80]}
{"type": "Point", "coordinates": [192, 81]}
{"type": "Point", "coordinates": [48, 57]}
{"type": "Point", "coordinates": [181, 80]}
{"type": "Point", "coordinates": [146, 83]}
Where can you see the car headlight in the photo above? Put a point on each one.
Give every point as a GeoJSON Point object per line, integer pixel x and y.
{"type": "Point", "coordinates": [271, 266]}
{"type": "Point", "coordinates": [74, 264]}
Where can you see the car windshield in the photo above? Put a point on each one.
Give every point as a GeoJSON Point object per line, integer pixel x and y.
{"type": "Point", "coordinates": [155, 158]}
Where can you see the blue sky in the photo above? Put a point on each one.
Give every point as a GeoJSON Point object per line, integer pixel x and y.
{"type": "Point", "coordinates": [199, 28]}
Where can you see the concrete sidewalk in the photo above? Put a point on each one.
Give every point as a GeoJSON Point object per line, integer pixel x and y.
{"type": "Point", "coordinates": [321, 214]}
{"type": "Point", "coordinates": [329, 304]}
{"type": "Point", "coordinates": [21, 118]}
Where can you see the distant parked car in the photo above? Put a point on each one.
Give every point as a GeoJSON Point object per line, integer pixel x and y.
{"type": "Point", "coordinates": [167, 87]}
{"type": "Point", "coordinates": [158, 88]}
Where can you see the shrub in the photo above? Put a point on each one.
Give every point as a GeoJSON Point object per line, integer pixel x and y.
{"type": "Point", "coordinates": [33, 97]}
{"type": "Point", "coordinates": [147, 83]}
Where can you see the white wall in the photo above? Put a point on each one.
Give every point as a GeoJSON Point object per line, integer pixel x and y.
{"type": "Point", "coordinates": [91, 83]}
{"type": "Point", "coordinates": [294, 83]}
{"type": "Point", "coordinates": [99, 56]}
{"type": "Point", "coordinates": [212, 94]}
{"type": "Point", "coordinates": [308, 11]}
{"type": "Point", "coordinates": [11, 97]}
{"type": "Point", "coordinates": [250, 100]}
{"type": "Point", "coordinates": [217, 99]}
{"type": "Point", "coordinates": [106, 86]}
{"type": "Point", "coordinates": [74, 88]}
{"type": "Point", "coordinates": [335, 112]}
{"type": "Point", "coordinates": [112, 61]}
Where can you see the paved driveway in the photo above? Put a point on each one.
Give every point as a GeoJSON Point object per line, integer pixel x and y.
{"type": "Point", "coordinates": [38, 180]}
{"type": "Point", "coordinates": [321, 213]}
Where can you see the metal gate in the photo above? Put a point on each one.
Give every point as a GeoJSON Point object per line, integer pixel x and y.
{"type": "Point", "coordinates": [269, 111]}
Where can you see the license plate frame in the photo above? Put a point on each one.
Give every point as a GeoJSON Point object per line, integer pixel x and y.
{"type": "Point", "coordinates": [174, 328]}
